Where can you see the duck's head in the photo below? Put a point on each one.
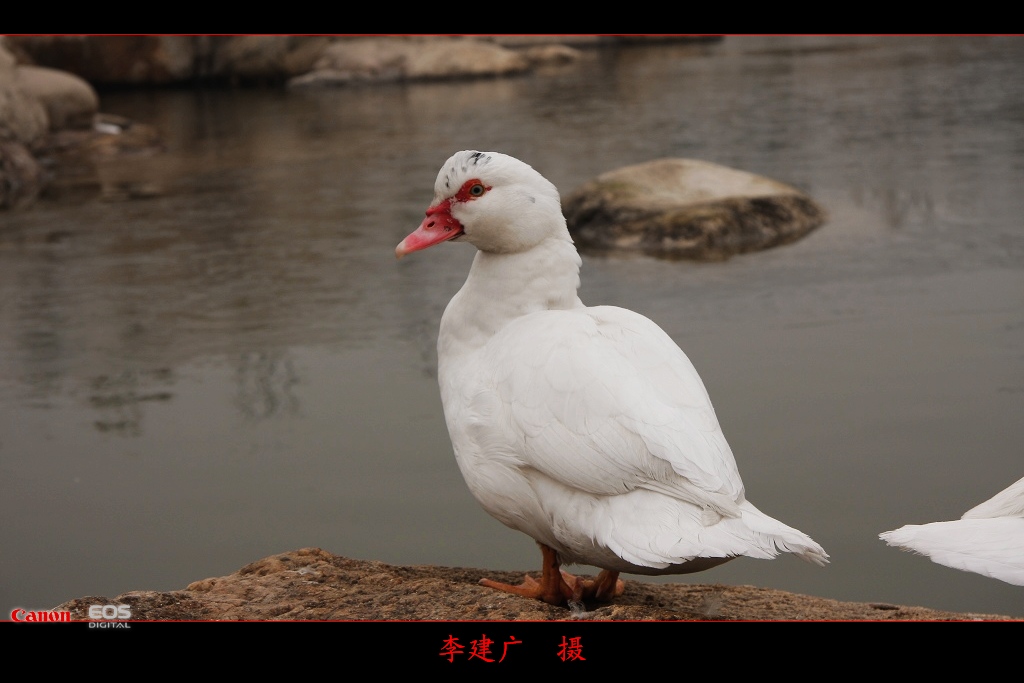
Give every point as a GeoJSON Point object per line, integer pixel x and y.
{"type": "Point", "coordinates": [491, 200]}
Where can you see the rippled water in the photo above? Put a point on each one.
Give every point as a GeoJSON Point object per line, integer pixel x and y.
{"type": "Point", "coordinates": [238, 366]}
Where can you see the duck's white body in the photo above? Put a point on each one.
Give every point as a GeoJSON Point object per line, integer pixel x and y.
{"type": "Point", "coordinates": [987, 540]}
{"type": "Point", "coordinates": [586, 428]}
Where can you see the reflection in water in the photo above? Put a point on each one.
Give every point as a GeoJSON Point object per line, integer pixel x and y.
{"type": "Point", "coordinates": [898, 209]}
{"type": "Point", "coordinates": [265, 384]}
{"type": "Point", "coordinates": [120, 402]}
{"type": "Point", "coordinates": [242, 360]}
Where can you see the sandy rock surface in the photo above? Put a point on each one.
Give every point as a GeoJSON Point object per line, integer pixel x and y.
{"type": "Point", "coordinates": [312, 584]}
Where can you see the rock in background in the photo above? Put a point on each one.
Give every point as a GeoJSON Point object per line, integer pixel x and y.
{"type": "Point", "coordinates": [52, 132]}
{"type": "Point", "coordinates": [23, 122]}
{"type": "Point", "coordinates": [116, 60]}
{"type": "Point", "coordinates": [362, 60]}
{"type": "Point", "coordinates": [264, 60]}
{"type": "Point", "coordinates": [687, 209]}
{"type": "Point", "coordinates": [162, 60]}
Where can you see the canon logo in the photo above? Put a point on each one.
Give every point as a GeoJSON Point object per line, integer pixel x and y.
{"type": "Point", "coordinates": [19, 614]}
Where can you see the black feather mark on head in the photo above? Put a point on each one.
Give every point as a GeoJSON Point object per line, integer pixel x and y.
{"type": "Point", "coordinates": [477, 158]}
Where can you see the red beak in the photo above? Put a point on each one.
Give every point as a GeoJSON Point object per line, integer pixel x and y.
{"type": "Point", "coordinates": [439, 226]}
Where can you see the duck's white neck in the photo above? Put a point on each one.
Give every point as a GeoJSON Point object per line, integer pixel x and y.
{"type": "Point", "coordinates": [503, 287]}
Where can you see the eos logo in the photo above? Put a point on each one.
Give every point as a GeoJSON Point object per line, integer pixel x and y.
{"type": "Point", "coordinates": [110, 612]}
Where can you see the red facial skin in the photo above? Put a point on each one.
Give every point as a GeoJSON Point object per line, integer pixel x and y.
{"type": "Point", "coordinates": [439, 225]}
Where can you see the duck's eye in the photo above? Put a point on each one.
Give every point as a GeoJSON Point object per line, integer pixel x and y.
{"type": "Point", "coordinates": [471, 189]}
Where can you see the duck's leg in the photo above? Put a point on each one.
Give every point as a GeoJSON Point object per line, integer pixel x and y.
{"type": "Point", "coordinates": [606, 586]}
{"type": "Point", "coordinates": [558, 587]}
{"type": "Point", "coordinates": [552, 587]}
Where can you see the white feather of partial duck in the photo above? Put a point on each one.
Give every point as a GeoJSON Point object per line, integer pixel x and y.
{"type": "Point", "coordinates": [988, 539]}
{"type": "Point", "coordinates": [586, 428]}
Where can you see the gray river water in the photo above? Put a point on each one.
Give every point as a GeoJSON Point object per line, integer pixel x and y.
{"type": "Point", "coordinates": [239, 367]}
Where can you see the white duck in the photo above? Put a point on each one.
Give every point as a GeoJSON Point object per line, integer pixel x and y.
{"type": "Point", "coordinates": [988, 539]}
{"type": "Point", "coordinates": [586, 428]}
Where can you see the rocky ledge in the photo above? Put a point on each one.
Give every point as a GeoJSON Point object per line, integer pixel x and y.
{"type": "Point", "coordinates": [312, 584]}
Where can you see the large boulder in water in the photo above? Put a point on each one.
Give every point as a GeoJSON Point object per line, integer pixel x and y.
{"type": "Point", "coordinates": [23, 122]}
{"type": "Point", "coordinates": [688, 209]}
{"type": "Point", "coordinates": [69, 100]}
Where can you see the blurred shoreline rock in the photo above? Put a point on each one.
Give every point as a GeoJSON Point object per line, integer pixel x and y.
{"type": "Point", "coordinates": [385, 60]}
{"type": "Point", "coordinates": [52, 130]}
{"type": "Point", "coordinates": [132, 61]}
{"type": "Point", "coordinates": [23, 121]}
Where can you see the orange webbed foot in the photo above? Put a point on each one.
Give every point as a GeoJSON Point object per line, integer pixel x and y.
{"type": "Point", "coordinates": [552, 587]}
{"type": "Point", "coordinates": [552, 593]}
{"type": "Point", "coordinates": [558, 587]}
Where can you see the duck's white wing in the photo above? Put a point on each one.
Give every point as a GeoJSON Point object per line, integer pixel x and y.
{"type": "Point", "coordinates": [614, 438]}
{"type": "Point", "coordinates": [992, 547]}
{"type": "Point", "coordinates": [605, 403]}
{"type": "Point", "coordinates": [1007, 503]}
